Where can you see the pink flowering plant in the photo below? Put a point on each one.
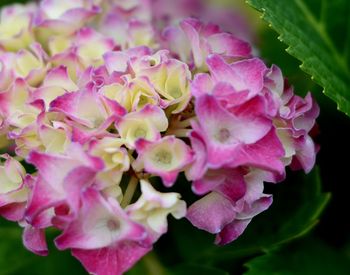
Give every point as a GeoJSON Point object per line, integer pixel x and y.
{"type": "Point", "coordinates": [119, 117]}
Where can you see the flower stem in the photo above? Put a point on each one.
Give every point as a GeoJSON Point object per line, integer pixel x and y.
{"type": "Point", "coordinates": [153, 265]}
{"type": "Point", "coordinates": [129, 192]}
{"type": "Point", "coordinates": [185, 123]}
{"type": "Point", "coordinates": [179, 132]}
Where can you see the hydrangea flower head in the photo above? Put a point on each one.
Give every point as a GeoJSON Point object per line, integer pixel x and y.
{"type": "Point", "coordinates": [105, 98]}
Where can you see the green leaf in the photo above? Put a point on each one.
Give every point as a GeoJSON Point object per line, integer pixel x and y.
{"type": "Point", "coordinates": [295, 211]}
{"type": "Point", "coordinates": [148, 265]}
{"type": "Point", "coordinates": [273, 52]}
{"type": "Point", "coordinates": [9, 2]}
{"type": "Point", "coordinates": [15, 259]}
{"type": "Point", "coordinates": [318, 34]}
{"type": "Point", "coordinates": [307, 256]}
{"type": "Point", "coordinates": [193, 269]}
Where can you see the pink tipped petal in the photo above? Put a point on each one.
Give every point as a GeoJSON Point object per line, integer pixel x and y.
{"type": "Point", "coordinates": [34, 240]}
{"type": "Point", "coordinates": [49, 164]}
{"type": "Point", "coordinates": [63, 16]}
{"type": "Point", "coordinates": [211, 213]}
{"type": "Point", "coordinates": [153, 207]}
{"type": "Point", "coordinates": [225, 133]}
{"type": "Point", "coordinates": [13, 189]}
{"type": "Point", "coordinates": [274, 80]}
{"type": "Point", "coordinates": [194, 38]}
{"type": "Point", "coordinates": [13, 211]}
{"type": "Point", "coordinates": [228, 45]}
{"type": "Point", "coordinates": [228, 96]}
{"type": "Point", "coordinates": [242, 75]}
{"type": "Point", "coordinates": [305, 157]}
{"type": "Point", "coordinates": [80, 14]}
{"type": "Point", "coordinates": [250, 210]}
{"type": "Point", "coordinates": [305, 112]}
{"type": "Point", "coordinates": [113, 260]}
{"type": "Point", "coordinates": [146, 123]}
{"type": "Point", "coordinates": [231, 232]}
{"type": "Point", "coordinates": [59, 77]}
{"type": "Point", "coordinates": [246, 130]}
{"type": "Point", "coordinates": [202, 84]}
{"type": "Point", "coordinates": [165, 157]}
{"type": "Point", "coordinates": [252, 73]}
{"type": "Point", "coordinates": [266, 153]}
{"type": "Point", "coordinates": [178, 42]}
{"type": "Point", "coordinates": [228, 182]}
{"type": "Point", "coordinates": [199, 166]}
{"type": "Point", "coordinates": [116, 62]}
{"type": "Point", "coordinates": [51, 189]}
{"type": "Point", "coordinates": [85, 107]}
{"type": "Point", "coordinates": [100, 223]}
{"type": "Point", "coordinates": [234, 186]}
{"type": "Point", "coordinates": [43, 197]}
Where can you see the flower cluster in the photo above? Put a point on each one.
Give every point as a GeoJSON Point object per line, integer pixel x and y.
{"type": "Point", "coordinates": [103, 96]}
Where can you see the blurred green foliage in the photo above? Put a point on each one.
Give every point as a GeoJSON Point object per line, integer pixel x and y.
{"type": "Point", "coordinates": [303, 257]}
{"type": "Point", "coordinates": [16, 260]}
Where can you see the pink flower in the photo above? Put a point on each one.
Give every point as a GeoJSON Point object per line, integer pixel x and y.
{"type": "Point", "coordinates": [16, 26]}
{"type": "Point", "coordinates": [165, 157]}
{"type": "Point", "coordinates": [112, 260]}
{"type": "Point", "coordinates": [103, 237]}
{"type": "Point", "coordinates": [13, 189]}
{"type": "Point", "coordinates": [194, 41]}
{"type": "Point", "coordinates": [298, 122]}
{"type": "Point", "coordinates": [90, 113]}
{"type": "Point", "coordinates": [100, 223]}
{"type": "Point", "coordinates": [169, 76]}
{"type": "Point", "coordinates": [6, 71]}
{"type": "Point", "coordinates": [239, 140]}
{"type": "Point", "coordinates": [51, 189]}
{"type": "Point", "coordinates": [63, 17]}
{"type": "Point", "coordinates": [232, 84]}
{"type": "Point", "coordinates": [153, 207]}
{"type": "Point", "coordinates": [91, 46]}
{"type": "Point", "coordinates": [146, 123]}
{"type": "Point", "coordinates": [225, 215]}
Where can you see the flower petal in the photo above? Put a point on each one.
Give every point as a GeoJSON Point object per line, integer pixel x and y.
{"type": "Point", "coordinates": [211, 213]}
{"type": "Point", "coordinates": [113, 260]}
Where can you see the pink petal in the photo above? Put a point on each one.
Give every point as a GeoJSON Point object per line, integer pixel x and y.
{"type": "Point", "coordinates": [228, 45]}
{"type": "Point", "coordinates": [201, 84]}
{"type": "Point", "coordinates": [231, 231]}
{"type": "Point", "coordinates": [233, 186]}
{"type": "Point", "coordinates": [305, 157]}
{"type": "Point", "coordinates": [193, 35]}
{"type": "Point", "coordinates": [13, 211]}
{"type": "Point", "coordinates": [116, 62]}
{"type": "Point", "coordinates": [165, 157]}
{"type": "Point", "coordinates": [211, 213]}
{"type": "Point", "coordinates": [100, 223]}
{"type": "Point", "coordinates": [252, 209]}
{"type": "Point", "coordinates": [199, 166]}
{"type": "Point", "coordinates": [85, 107]}
{"type": "Point", "coordinates": [266, 154]}
{"type": "Point", "coordinates": [59, 77]}
{"type": "Point", "coordinates": [225, 133]}
{"type": "Point", "coordinates": [113, 260]}
{"type": "Point", "coordinates": [52, 188]}
{"type": "Point", "coordinates": [242, 75]}
{"type": "Point", "coordinates": [34, 240]}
